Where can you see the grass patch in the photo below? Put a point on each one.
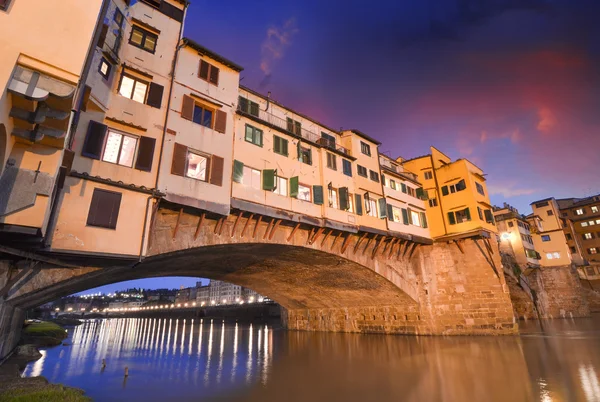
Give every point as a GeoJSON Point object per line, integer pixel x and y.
{"type": "Point", "coordinates": [49, 394]}
{"type": "Point", "coordinates": [43, 334]}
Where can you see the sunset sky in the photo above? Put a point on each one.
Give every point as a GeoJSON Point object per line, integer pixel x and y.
{"type": "Point", "coordinates": [512, 85]}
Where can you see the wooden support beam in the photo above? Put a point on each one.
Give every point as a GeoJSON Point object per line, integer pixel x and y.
{"type": "Point", "coordinates": [386, 244]}
{"type": "Point", "coordinates": [369, 242]}
{"type": "Point", "coordinates": [256, 226]}
{"type": "Point", "coordinates": [274, 229]}
{"type": "Point", "coordinates": [486, 241]}
{"type": "Point", "coordinates": [316, 236]}
{"type": "Point", "coordinates": [310, 235]}
{"type": "Point", "coordinates": [36, 257]}
{"type": "Point", "coordinates": [459, 245]}
{"type": "Point", "coordinates": [177, 223]}
{"type": "Point", "coordinates": [377, 246]}
{"type": "Point", "coordinates": [199, 225]}
{"type": "Point", "coordinates": [335, 240]}
{"type": "Point", "coordinates": [490, 260]}
{"type": "Point", "coordinates": [408, 245]}
{"type": "Point", "coordinates": [291, 236]}
{"type": "Point", "coordinates": [400, 244]}
{"type": "Point", "coordinates": [415, 247]}
{"type": "Point", "coordinates": [359, 241]}
{"type": "Point", "coordinates": [345, 243]}
{"type": "Point", "coordinates": [326, 236]}
{"type": "Point", "coordinates": [221, 224]}
{"type": "Point", "coordinates": [237, 218]}
{"type": "Point", "coordinates": [268, 229]}
{"type": "Point", "coordinates": [246, 225]}
{"type": "Point", "coordinates": [394, 242]}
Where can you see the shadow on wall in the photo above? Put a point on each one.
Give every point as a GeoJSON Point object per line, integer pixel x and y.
{"type": "Point", "coordinates": [3, 142]}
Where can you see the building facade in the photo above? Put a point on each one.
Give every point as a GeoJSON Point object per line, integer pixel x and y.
{"type": "Point", "coordinates": [515, 236]}
{"type": "Point", "coordinates": [224, 293]}
{"type": "Point", "coordinates": [549, 238]}
{"type": "Point", "coordinates": [583, 226]}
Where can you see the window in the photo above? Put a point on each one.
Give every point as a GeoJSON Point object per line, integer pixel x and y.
{"type": "Point", "coordinates": [331, 161]}
{"type": "Point", "coordinates": [584, 224]}
{"type": "Point", "coordinates": [588, 236]}
{"type": "Point", "coordinates": [592, 250]}
{"type": "Point", "coordinates": [347, 167]}
{"type": "Point", "coordinates": [479, 188]}
{"type": "Point", "coordinates": [428, 175]}
{"type": "Point", "coordinates": [209, 73]}
{"type": "Point", "coordinates": [133, 88]}
{"type": "Point", "coordinates": [248, 106]}
{"type": "Point", "coordinates": [203, 116]}
{"type": "Point", "coordinates": [361, 170]}
{"type": "Point", "coordinates": [568, 236]}
{"type": "Point", "coordinates": [104, 68]}
{"type": "Point", "coordinates": [510, 224]}
{"type": "Point", "coordinates": [333, 198]}
{"type": "Point", "coordinates": [294, 126]}
{"type": "Point", "coordinates": [542, 204]}
{"type": "Point", "coordinates": [251, 178]}
{"type": "Point", "coordinates": [196, 166]}
{"type": "Point", "coordinates": [374, 176]}
{"type": "Point", "coordinates": [143, 39]}
{"type": "Point", "coordinates": [480, 213]}
{"type": "Point", "coordinates": [365, 148]}
{"type": "Point", "coordinates": [254, 135]}
{"type": "Point", "coordinates": [550, 212]}
{"type": "Point", "coordinates": [304, 192]}
{"type": "Point", "coordinates": [553, 256]}
{"type": "Point", "coordinates": [545, 237]}
{"type": "Point", "coordinates": [281, 186]}
{"type": "Point", "coordinates": [531, 253]}
{"type": "Point", "coordinates": [415, 218]}
{"type": "Point", "coordinates": [4, 4]}
{"type": "Point", "coordinates": [459, 216]}
{"type": "Point", "coordinates": [410, 190]}
{"type": "Point", "coordinates": [118, 18]}
{"type": "Point", "coordinates": [460, 186]}
{"type": "Point", "coordinates": [104, 209]}
{"type": "Point", "coordinates": [594, 209]}
{"type": "Point", "coordinates": [393, 185]}
{"type": "Point", "coordinates": [433, 202]}
{"type": "Point", "coordinates": [327, 140]}
{"type": "Point", "coordinates": [489, 216]}
{"type": "Point", "coordinates": [119, 149]}
{"type": "Point", "coordinates": [579, 211]}
{"type": "Point", "coordinates": [304, 154]}
{"type": "Point", "coordinates": [396, 214]}
{"type": "Point", "coordinates": [371, 206]}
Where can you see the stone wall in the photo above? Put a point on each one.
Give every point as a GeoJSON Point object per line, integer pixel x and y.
{"type": "Point", "coordinates": [11, 318]}
{"type": "Point", "coordinates": [559, 292]}
{"type": "Point", "coordinates": [523, 306]}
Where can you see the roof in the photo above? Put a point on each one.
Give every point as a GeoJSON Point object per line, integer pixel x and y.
{"type": "Point", "coordinates": [365, 136]}
{"type": "Point", "coordinates": [545, 199]}
{"type": "Point", "coordinates": [215, 56]}
{"type": "Point", "coordinates": [415, 158]}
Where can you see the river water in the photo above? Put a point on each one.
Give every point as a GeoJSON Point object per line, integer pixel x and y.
{"type": "Point", "coordinates": [208, 360]}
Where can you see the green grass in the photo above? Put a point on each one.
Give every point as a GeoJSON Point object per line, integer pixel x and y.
{"type": "Point", "coordinates": [51, 393]}
{"type": "Point", "coordinates": [43, 334]}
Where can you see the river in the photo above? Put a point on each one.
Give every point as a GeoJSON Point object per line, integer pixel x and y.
{"type": "Point", "coordinates": [208, 360]}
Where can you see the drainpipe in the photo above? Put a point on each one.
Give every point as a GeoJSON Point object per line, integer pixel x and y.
{"type": "Point", "coordinates": [438, 194]}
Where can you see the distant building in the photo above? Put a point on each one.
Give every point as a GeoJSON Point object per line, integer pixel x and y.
{"type": "Point", "coordinates": [219, 292]}
{"type": "Point", "coordinates": [515, 236]}
{"type": "Point", "coordinates": [583, 231]}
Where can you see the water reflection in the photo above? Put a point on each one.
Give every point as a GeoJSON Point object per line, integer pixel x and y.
{"type": "Point", "coordinates": [172, 359]}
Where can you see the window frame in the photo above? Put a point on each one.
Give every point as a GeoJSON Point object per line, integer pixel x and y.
{"type": "Point", "coordinates": [255, 131]}
{"type": "Point", "coordinates": [310, 195]}
{"type": "Point", "coordinates": [209, 73]}
{"type": "Point", "coordinates": [187, 161]}
{"type": "Point", "coordinates": [371, 211]}
{"type": "Point", "coordinates": [546, 238]}
{"type": "Point", "coordinates": [358, 169]}
{"type": "Point", "coordinates": [122, 134]}
{"type": "Point", "coordinates": [333, 199]}
{"type": "Point", "coordinates": [135, 80]}
{"type": "Point", "coordinates": [109, 65]}
{"type": "Point", "coordinates": [346, 167]}
{"type": "Point", "coordinates": [145, 33]}
{"type": "Point", "coordinates": [251, 169]}
{"type": "Point", "coordinates": [365, 148]}
{"type": "Point", "coordinates": [331, 161]}
{"type": "Point", "coordinates": [277, 188]}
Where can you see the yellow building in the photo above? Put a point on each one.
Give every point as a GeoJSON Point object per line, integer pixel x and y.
{"type": "Point", "coordinates": [515, 236]}
{"type": "Point", "coordinates": [458, 200]}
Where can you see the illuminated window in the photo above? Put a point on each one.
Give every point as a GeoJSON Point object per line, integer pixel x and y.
{"type": "Point", "coordinates": [333, 198]}
{"type": "Point", "coordinates": [592, 250]}
{"type": "Point", "coordinates": [415, 218]}
{"type": "Point", "coordinates": [282, 186]}
{"type": "Point", "coordinates": [397, 214]}
{"type": "Point", "coordinates": [119, 149]}
{"type": "Point", "coordinates": [594, 209]}
{"type": "Point", "coordinates": [579, 211]}
{"type": "Point", "coordinates": [588, 236]}
{"type": "Point", "coordinates": [304, 192]}
{"type": "Point", "coordinates": [133, 88]}
{"type": "Point", "coordinates": [143, 39]}
{"type": "Point", "coordinates": [546, 238]}
{"type": "Point", "coordinates": [203, 116]}
{"type": "Point", "coordinates": [104, 68]}
{"type": "Point", "coordinates": [196, 166]}
{"type": "Point", "coordinates": [371, 207]}
{"type": "Point", "coordinates": [584, 224]}
{"type": "Point", "coordinates": [251, 177]}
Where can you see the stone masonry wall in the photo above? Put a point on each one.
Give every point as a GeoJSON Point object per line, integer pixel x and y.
{"type": "Point", "coordinates": [11, 319]}
{"type": "Point", "coordinates": [559, 292]}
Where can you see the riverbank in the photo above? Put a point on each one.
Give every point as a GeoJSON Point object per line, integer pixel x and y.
{"type": "Point", "coordinates": [15, 388]}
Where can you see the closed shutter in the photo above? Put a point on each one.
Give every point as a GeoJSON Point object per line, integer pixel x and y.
{"type": "Point", "coordinates": [203, 72]}
{"type": "Point", "coordinates": [294, 186]}
{"type": "Point", "coordinates": [468, 213]}
{"type": "Point", "coordinates": [390, 213]}
{"type": "Point", "coordinates": [243, 104]}
{"type": "Point", "coordinates": [268, 182]}
{"type": "Point", "coordinates": [358, 204]}
{"type": "Point", "coordinates": [238, 171]}
{"type": "Point", "coordinates": [404, 216]}
{"type": "Point", "coordinates": [299, 149]}
{"type": "Point", "coordinates": [155, 95]}
{"type": "Point", "coordinates": [102, 37]}
{"type": "Point", "coordinates": [445, 190]}
{"type": "Point", "coordinates": [344, 198]}
{"type": "Point", "coordinates": [94, 140]}
{"type": "Point", "coordinates": [318, 195]}
{"type": "Point", "coordinates": [216, 170]}
{"type": "Point", "coordinates": [489, 217]}
{"type": "Point", "coordinates": [214, 75]}
{"type": "Point", "coordinates": [179, 160]}
{"type": "Point", "coordinates": [403, 187]}
{"type": "Point", "coordinates": [423, 220]}
{"type": "Point", "coordinates": [290, 125]}
{"type": "Point", "coordinates": [461, 185]}
{"type": "Point", "coordinates": [254, 108]}
{"type": "Point", "coordinates": [451, 218]}
{"type": "Point", "coordinates": [221, 121]}
{"type": "Point", "coordinates": [104, 209]}
{"type": "Point", "coordinates": [187, 108]}
{"type": "Point", "coordinates": [382, 208]}
{"type": "Point", "coordinates": [171, 11]}
{"type": "Point", "coordinates": [145, 154]}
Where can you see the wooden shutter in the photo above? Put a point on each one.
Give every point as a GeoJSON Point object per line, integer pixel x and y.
{"type": "Point", "coordinates": [214, 75]}
{"type": "Point", "coordinates": [155, 95]}
{"type": "Point", "coordinates": [179, 160]}
{"type": "Point", "coordinates": [94, 140]}
{"type": "Point", "coordinates": [104, 209]}
{"type": "Point", "coordinates": [284, 146]}
{"type": "Point", "coordinates": [318, 195]}
{"type": "Point", "coordinates": [468, 213]}
{"type": "Point", "coordinates": [358, 204]}
{"type": "Point", "coordinates": [243, 104]}
{"type": "Point", "coordinates": [216, 170]}
{"type": "Point", "coordinates": [344, 198]}
{"type": "Point", "coordinates": [102, 37]}
{"type": "Point", "coordinates": [445, 190]}
{"type": "Point", "coordinates": [382, 208]}
{"type": "Point", "coordinates": [254, 108]}
{"type": "Point", "coordinates": [403, 187]}
{"type": "Point", "coordinates": [203, 73]}
{"type": "Point", "coordinates": [299, 149]}
{"type": "Point", "coordinates": [423, 219]}
{"type": "Point", "coordinates": [405, 216]}
{"type": "Point", "coordinates": [268, 182]}
{"type": "Point", "coordinates": [290, 125]}
{"type": "Point", "coordinates": [489, 217]}
{"type": "Point", "coordinates": [238, 171]}
{"type": "Point", "coordinates": [419, 193]}
{"type": "Point", "coordinates": [390, 213]}
{"type": "Point", "coordinates": [451, 218]}
{"type": "Point", "coordinates": [187, 107]}
{"type": "Point", "coordinates": [461, 185]}
{"type": "Point", "coordinates": [145, 154]}
{"type": "Point", "coordinates": [276, 144]}
{"type": "Point", "coordinates": [171, 11]}
{"type": "Point", "coordinates": [67, 161]}
{"type": "Point", "coordinates": [294, 186]}
{"type": "Point", "coordinates": [220, 121]}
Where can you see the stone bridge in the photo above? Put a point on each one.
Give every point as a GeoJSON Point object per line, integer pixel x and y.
{"type": "Point", "coordinates": [326, 279]}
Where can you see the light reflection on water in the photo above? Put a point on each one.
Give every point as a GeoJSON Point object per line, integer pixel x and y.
{"type": "Point", "coordinates": [193, 359]}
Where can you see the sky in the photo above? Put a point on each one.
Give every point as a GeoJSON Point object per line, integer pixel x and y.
{"type": "Point", "coordinates": [512, 85]}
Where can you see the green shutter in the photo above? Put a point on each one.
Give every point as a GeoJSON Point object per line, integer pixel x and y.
{"type": "Point", "coordinates": [445, 190]}
{"type": "Point", "coordinates": [268, 179]}
{"type": "Point", "coordinates": [383, 180]}
{"type": "Point", "coordinates": [419, 193]}
{"type": "Point", "coordinates": [318, 195]}
{"type": "Point", "coordinates": [451, 218]}
{"type": "Point", "coordinates": [358, 204]}
{"type": "Point", "coordinates": [276, 144]}
{"type": "Point", "coordinates": [489, 217]}
{"type": "Point", "coordinates": [403, 187]}
{"type": "Point", "coordinates": [468, 213]}
{"type": "Point", "coordinates": [284, 146]}
{"type": "Point", "coordinates": [344, 201]}
{"type": "Point", "coordinates": [260, 134]}
{"type": "Point", "coordinates": [404, 216]}
{"type": "Point", "coordinates": [423, 220]}
{"type": "Point", "coordinates": [309, 156]}
{"type": "Point", "coordinates": [294, 187]}
{"type": "Point", "coordinates": [299, 149]}
{"type": "Point", "coordinates": [382, 208]}
{"type": "Point", "coordinates": [238, 171]}
{"type": "Point", "coordinates": [249, 133]}
{"type": "Point", "coordinates": [390, 212]}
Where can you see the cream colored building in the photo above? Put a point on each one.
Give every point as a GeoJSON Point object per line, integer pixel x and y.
{"type": "Point", "coordinates": [548, 235]}
{"type": "Point", "coordinates": [515, 236]}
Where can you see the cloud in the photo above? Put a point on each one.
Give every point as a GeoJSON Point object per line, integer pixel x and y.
{"type": "Point", "coordinates": [509, 190]}
{"type": "Point", "coordinates": [547, 120]}
{"type": "Point", "coordinates": [273, 48]}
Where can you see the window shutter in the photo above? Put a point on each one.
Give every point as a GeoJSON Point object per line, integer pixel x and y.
{"type": "Point", "coordinates": [214, 75]}
{"type": "Point", "coordinates": [382, 208]}
{"type": "Point", "coordinates": [344, 201]}
{"type": "Point", "coordinates": [489, 217]}
{"type": "Point", "coordinates": [94, 140]}
{"type": "Point", "coordinates": [423, 219]}
{"type": "Point", "coordinates": [445, 190]}
{"type": "Point", "coordinates": [404, 216]}
{"type": "Point", "coordinates": [358, 204]}
{"type": "Point", "coordinates": [238, 171]}
{"type": "Point", "coordinates": [104, 209]}
{"type": "Point", "coordinates": [254, 109]}
{"type": "Point", "coordinates": [221, 121]}
{"type": "Point", "coordinates": [276, 144]}
{"type": "Point", "coordinates": [155, 95]}
{"type": "Point", "coordinates": [451, 218]}
{"type": "Point", "coordinates": [216, 170]}
{"type": "Point", "coordinates": [390, 213]}
{"type": "Point", "coordinates": [145, 154]}
{"type": "Point", "coordinates": [243, 104]}
{"type": "Point", "coordinates": [294, 187]}
{"type": "Point", "coordinates": [468, 213]}
{"type": "Point", "coordinates": [284, 147]}
{"type": "Point", "coordinates": [461, 185]}
{"type": "Point", "coordinates": [403, 187]}
{"type": "Point", "coordinates": [290, 125]}
{"type": "Point", "coordinates": [102, 37]}
{"type": "Point", "coordinates": [409, 213]}
{"type": "Point", "coordinates": [187, 108]}
{"type": "Point", "coordinates": [299, 148]}
{"type": "Point", "coordinates": [318, 195]}
{"type": "Point", "coordinates": [268, 179]}
{"type": "Point", "coordinates": [203, 73]}
{"type": "Point", "coordinates": [419, 193]}
{"type": "Point", "coordinates": [179, 160]}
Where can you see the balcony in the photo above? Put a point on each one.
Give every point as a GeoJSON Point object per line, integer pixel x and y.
{"type": "Point", "coordinates": [282, 124]}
